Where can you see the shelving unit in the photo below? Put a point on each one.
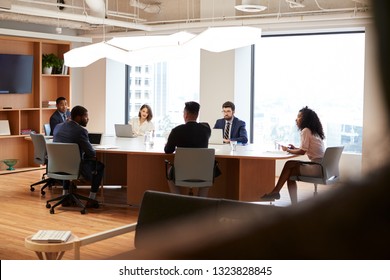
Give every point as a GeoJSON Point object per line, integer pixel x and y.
{"type": "Point", "coordinates": [26, 110]}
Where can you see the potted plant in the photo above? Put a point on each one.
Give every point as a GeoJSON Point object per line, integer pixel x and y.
{"type": "Point", "coordinates": [51, 62]}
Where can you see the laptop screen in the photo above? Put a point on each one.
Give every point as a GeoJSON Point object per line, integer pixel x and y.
{"type": "Point", "coordinates": [95, 138]}
{"type": "Point", "coordinates": [216, 136]}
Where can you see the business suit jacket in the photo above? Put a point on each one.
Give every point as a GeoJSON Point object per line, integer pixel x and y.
{"type": "Point", "coordinates": [237, 129]}
{"type": "Point", "coordinates": [55, 119]}
{"type": "Point", "coordinates": [189, 135]}
{"type": "Point", "coordinates": [72, 132]}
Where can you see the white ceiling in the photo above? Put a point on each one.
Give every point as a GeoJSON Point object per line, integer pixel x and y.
{"type": "Point", "coordinates": [89, 16]}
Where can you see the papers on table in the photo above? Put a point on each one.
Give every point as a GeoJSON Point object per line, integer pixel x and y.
{"type": "Point", "coordinates": [51, 236]}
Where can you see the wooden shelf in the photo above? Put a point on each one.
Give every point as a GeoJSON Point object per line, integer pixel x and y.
{"type": "Point", "coordinates": [26, 110]}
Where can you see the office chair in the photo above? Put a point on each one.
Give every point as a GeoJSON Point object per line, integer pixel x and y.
{"type": "Point", "coordinates": [40, 157]}
{"type": "Point", "coordinates": [328, 169]}
{"type": "Point", "coordinates": [64, 164]}
{"type": "Point", "coordinates": [193, 168]}
{"type": "Point", "coordinates": [47, 129]}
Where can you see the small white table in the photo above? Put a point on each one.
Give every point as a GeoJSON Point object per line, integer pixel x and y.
{"type": "Point", "coordinates": [50, 251]}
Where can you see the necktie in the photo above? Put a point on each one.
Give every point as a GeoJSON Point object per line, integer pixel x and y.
{"type": "Point", "coordinates": [64, 117]}
{"type": "Point", "coordinates": [227, 131]}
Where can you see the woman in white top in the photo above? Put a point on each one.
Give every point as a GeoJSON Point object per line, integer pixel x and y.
{"type": "Point", "coordinates": [312, 144]}
{"type": "Point", "coordinates": [143, 122]}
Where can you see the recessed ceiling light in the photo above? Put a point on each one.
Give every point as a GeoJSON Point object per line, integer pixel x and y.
{"type": "Point", "coordinates": [251, 6]}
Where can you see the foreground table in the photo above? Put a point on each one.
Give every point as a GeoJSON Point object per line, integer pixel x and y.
{"type": "Point", "coordinates": [50, 251]}
{"type": "Point", "coordinates": [247, 173]}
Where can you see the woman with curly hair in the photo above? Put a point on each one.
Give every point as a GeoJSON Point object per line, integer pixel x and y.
{"type": "Point", "coordinates": [312, 144]}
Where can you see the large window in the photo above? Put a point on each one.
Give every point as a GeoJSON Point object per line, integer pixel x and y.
{"type": "Point", "coordinates": [166, 86]}
{"type": "Point", "coordinates": [324, 72]}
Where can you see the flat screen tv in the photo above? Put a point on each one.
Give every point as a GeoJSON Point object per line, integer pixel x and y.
{"type": "Point", "coordinates": [16, 73]}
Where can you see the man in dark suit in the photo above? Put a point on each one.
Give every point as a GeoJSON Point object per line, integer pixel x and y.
{"type": "Point", "coordinates": [233, 128]}
{"type": "Point", "coordinates": [189, 135]}
{"type": "Point", "coordinates": [60, 115]}
{"type": "Point", "coordinates": [74, 131]}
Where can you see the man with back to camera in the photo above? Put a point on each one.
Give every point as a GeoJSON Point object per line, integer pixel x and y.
{"type": "Point", "coordinates": [74, 131]}
{"type": "Point", "coordinates": [189, 135]}
{"type": "Point", "coordinates": [60, 115]}
{"type": "Point", "coordinates": [233, 128]}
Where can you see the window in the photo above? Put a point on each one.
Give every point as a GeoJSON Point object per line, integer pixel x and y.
{"type": "Point", "coordinates": [138, 69]}
{"type": "Point", "coordinates": [322, 71]}
{"type": "Point", "coordinates": [166, 87]}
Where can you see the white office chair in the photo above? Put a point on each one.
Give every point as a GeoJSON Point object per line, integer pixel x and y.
{"type": "Point", "coordinates": [328, 169]}
{"type": "Point", "coordinates": [40, 157]}
{"type": "Point", "coordinates": [194, 168]}
{"type": "Point", "coordinates": [64, 164]}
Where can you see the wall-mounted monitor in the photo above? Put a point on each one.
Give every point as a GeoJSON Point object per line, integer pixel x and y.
{"type": "Point", "coordinates": [16, 73]}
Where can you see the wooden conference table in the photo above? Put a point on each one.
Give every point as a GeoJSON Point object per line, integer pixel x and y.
{"type": "Point", "coordinates": [247, 173]}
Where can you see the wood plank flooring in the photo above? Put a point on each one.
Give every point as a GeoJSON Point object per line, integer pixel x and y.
{"type": "Point", "coordinates": [23, 212]}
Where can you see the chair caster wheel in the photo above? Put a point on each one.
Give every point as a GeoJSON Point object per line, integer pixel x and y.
{"type": "Point", "coordinates": [51, 211]}
{"type": "Point", "coordinates": [43, 193]}
{"type": "Point", "coordinates": [32, 189]}
{"type": "Point", "coordinates": [84, 211]}
{"type": "Point", "coordinates": [48, 205]}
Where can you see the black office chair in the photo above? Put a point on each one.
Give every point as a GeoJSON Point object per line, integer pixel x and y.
{"type": "Point", "coordinates": [40, 157]}
{"type": "Point", "coordinates": [64, 164]}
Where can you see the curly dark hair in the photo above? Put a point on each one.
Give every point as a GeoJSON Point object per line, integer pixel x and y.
{"type": "Point", "coordinates": [311, 121]}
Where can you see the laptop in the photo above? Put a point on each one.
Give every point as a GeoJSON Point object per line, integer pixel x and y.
{"type": "Point", "coordinates": [216, 137]}
{"type": "Point", "coordinates": [95, 138]}
{"type": "Point", "coordinates": [124, 130]}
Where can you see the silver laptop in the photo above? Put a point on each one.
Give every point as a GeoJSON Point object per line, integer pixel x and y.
{"type": "Point", "coordinates": [124, 130]}
{"type": "Point", "coordinates": [216, 137]}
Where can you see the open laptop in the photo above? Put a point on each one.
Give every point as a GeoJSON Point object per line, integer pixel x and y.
{"type": "Point", "coordinates": [95, 138]}
{"type": "Point", "coordinates": [216, 137]}
{"type": "Point", "coordinates": [124, 130]}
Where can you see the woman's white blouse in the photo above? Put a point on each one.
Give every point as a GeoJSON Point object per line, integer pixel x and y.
{"type": "Point", "coordinates": [313, 145]}
{"type": "Point", "coordinates": [139, 128]}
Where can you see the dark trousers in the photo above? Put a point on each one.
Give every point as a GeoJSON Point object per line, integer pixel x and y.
{"type": "Point", "coordinates": [92, 171]}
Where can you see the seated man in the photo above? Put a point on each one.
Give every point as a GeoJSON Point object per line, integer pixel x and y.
{"type": "Point", "coordinates": [233, 128]}
{"type": "Point", "coordinates": [60, 115]}
{"type": "Point", "coordinates": [74, 131]}
{"type": "Point", "coordinates": [189, 135]}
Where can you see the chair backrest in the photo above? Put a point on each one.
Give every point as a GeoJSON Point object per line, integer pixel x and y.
{"type": "Point", "coordinates": [40, 153]}
{"type": "Point", "coordinates": [194, 167]}
{"type": "Point", "coordinates": [330, 162]}
{"type": "Point", "coordinates": [63, 161]}
{"type": "Point", "coordinates": [47, 129]}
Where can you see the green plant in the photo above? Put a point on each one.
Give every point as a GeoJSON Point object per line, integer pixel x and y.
{"type": "Point", "coordinates": [51, 60]}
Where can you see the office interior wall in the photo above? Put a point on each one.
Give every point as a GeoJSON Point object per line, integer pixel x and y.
{"type": "Point", "coordinates": [216, 84]}
{"type": "Point", "coordinates": [94, 93]}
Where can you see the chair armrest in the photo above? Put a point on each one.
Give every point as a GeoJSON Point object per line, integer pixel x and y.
{"type": "Point", "coordinates": [93, 238]}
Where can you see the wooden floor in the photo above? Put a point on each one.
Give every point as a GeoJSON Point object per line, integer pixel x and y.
{"type": "Point", "coordinates": [23, 213]}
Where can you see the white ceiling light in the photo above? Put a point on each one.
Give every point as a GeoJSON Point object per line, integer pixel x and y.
{"type": "Point", "coordinates": [251, 6]}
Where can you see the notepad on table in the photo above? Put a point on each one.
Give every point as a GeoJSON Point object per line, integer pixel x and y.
{"type": "Point", "coordinates": [51, 236]}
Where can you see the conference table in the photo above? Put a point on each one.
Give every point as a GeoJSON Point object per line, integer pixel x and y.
{"type": "Point", "coordinates": [247, 173]}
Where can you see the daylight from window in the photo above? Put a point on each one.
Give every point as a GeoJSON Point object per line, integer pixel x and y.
{"type": "Point", "coordinates": [165, 86]}
{"type": "Point", "coordinates": [323, 72]}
